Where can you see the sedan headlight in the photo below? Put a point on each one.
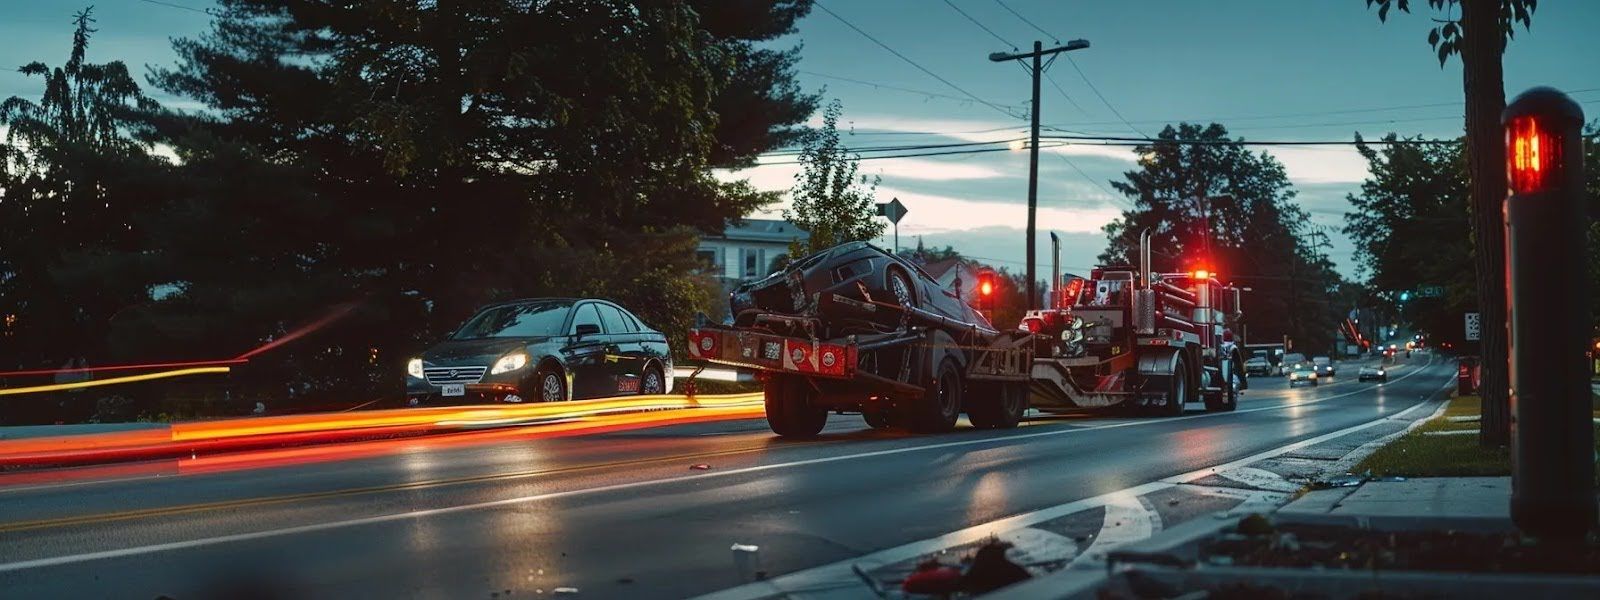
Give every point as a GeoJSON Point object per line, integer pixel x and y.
{"type": "Point", "coordinates": [414, 368]}
{"type": "Point", "coordinates": [509, 363]}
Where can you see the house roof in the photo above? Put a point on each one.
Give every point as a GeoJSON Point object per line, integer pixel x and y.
{"type": "Point", "coordinates": [763, 230]}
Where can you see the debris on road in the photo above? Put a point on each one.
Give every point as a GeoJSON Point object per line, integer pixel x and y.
{"type": "Point", "coordinates": [933, 578]}
{"type": "Point", "coordinates": [991, 570]}
{"type": "Point", "coordinates": [700, 467]}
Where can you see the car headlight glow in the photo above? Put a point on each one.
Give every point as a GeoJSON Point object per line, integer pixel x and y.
{"type": "Point", "coordinates": [509, 363]}
{"type": "Point", "coordinates": [414, 368]}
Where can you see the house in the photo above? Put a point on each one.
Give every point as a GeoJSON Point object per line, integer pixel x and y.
{"type": "Point", "coordinates": [746, 250]}
{"type": "Point", "coordinates": [950, 271]}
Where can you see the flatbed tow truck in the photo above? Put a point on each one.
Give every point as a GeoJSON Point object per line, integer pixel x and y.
{"type": "Point", "coordinates": [1131, 338]}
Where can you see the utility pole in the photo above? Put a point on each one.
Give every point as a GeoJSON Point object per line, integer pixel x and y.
{"type": "Point", "coordinates": [1039, 52]}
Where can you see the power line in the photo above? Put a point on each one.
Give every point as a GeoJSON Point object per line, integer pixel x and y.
{"type": "Point", "coordinates": [980, 25]}
{"type": "Point", "coordinates": [902, 89]}
{"type": "Point", "coordinates": [942, 153]}
{"type": "Point", "coordinates": [900, 148]}
{"type": "Point", "coordinates": [914, 63]}
{"type": "Point", "coordinates": [1025, 20]}
{"type": "Point", "coordinates": [1132, 141]}
{"type": "Point", "coordinates": [206, 12]}
{"type": "Point", "coordinates": [1290, 115]}
{"type": "Point", "coordinates": [1102, 97]}
{"type": "Point", "coordinates": [1074, 103]}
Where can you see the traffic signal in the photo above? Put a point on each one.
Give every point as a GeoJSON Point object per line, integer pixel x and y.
{"type": "Point", "coordinates": [1552, 443]}
{"type": "Point", "coordinates": [986, 288]}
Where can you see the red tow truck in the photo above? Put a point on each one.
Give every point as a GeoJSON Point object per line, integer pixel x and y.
{"type": "Point", "coordinates": [1124, 337]}
{"type": "Point", "coordinates": [1130, 337]}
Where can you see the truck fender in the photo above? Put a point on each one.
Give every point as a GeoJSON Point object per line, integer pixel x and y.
{"type": "Point", "coordinates": [1156, 368]}
{"type": "Point", "coordinates": [941, 346]}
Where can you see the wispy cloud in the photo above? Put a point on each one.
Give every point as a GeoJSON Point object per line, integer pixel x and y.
{"type": "Point", "coordinates": [1322, 165]}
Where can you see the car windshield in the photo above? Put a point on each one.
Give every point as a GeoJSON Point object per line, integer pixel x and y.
{"type": "Point", "coordinates": [528, 319]}
{"type": "Point", "coordinates": [1321, 360]}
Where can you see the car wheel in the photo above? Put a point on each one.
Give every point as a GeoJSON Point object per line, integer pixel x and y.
{"type": "Point", "coordinates": [940, 405]}
{"type": "Point", "coordinates": [652, 382]}
{"type": "Point", "coordinates": [899, 286]}
{"type": "Point", "coordinates": [551, 385]}
{"type": "Point", "coordinates": [791, 407]}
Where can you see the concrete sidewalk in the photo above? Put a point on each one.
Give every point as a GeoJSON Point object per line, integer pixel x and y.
{"type": "Point", "coordinates": [1482, 499]}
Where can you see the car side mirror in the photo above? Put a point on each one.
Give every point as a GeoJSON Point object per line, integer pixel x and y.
{"type": "Point", "coordinates": [586, 329]}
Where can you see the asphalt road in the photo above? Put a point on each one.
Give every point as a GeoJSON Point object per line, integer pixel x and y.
{"type": "Point", "coordinates": [618, 514]}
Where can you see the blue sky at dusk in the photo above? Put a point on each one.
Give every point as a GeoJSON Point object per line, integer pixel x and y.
{"type": "Point", "coordinates": [1266, 69]}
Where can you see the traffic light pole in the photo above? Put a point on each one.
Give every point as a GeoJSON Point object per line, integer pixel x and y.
{"type": "Point", "coordinates": [1039, 52]}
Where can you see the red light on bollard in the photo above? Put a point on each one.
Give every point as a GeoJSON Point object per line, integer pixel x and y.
{"type": "Point", "coordinates": [1533, 154]}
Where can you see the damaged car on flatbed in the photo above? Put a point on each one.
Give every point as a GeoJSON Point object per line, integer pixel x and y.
{"type": "Point", "coordinates": [857, 329]}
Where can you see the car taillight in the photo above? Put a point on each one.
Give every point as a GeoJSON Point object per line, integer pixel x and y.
{"type": "Point", "coordinates": [834, 360]}
{"type": "Point", "coordinates": [1031, 325]}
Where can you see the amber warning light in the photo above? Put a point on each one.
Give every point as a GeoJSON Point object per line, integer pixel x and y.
{"type": "Point", "coordinates": [1532, 155]}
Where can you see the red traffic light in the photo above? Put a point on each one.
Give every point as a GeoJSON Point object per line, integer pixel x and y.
{"type": "Point", "coordinates": [986, 283]}
{"type": "Point", "coordinates": [1533, 154]}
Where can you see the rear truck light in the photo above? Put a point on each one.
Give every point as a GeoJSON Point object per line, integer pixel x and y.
{"type": "Point", "coordinates": [703, 344]}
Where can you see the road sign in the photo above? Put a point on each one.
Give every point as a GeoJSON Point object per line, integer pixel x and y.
{"type": "Point", "coordinates": [892, 209]}
{"type": "Point", "coordinates": [1472, 327]}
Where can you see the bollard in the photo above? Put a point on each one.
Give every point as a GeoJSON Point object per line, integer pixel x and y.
{"type": "Point", "coordinates": [1547, 304]}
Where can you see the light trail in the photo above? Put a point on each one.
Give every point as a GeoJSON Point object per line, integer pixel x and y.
{"type": "Point", "coordinates": [337, 313]}
{"type": "Point", "coordinates": [165, 365]}
{"type": "Point", "coordinates": [113, 381]}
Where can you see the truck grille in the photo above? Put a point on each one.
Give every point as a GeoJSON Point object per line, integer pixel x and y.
{"type": "Point", "coordinates": [442, 375]}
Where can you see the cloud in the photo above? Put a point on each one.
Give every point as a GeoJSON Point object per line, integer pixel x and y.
{"type": "Point", "coordinates": [929, 213]}
{"type": "Point", "coordinates": [929, 170]}
{"type": "Point", "coordinates": [1322, 165]}
{"type": "Point", "coordinates": [1122, 153]}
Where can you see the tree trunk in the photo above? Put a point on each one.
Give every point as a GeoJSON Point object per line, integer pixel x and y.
{"type": "Point", "coordinates": [1482, 46]}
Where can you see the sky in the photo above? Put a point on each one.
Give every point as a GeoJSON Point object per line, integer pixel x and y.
{"type": "Point", "coordinates": [1243, 63]}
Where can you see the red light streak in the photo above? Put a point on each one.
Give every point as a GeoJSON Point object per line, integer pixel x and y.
{"type": "Point", "coordinates": [337, 313]}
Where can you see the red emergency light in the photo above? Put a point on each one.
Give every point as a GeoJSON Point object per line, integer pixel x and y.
{"type": "Point", "coordinates": [1533, 155]}
{"type": "Point", "coordinates": [1069, 294]}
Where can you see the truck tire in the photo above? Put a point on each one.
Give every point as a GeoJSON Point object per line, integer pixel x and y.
{"type": "Point", "coordinates": [790, 410]}
{"type": "Point", "coordinates": [940, 405]}
{"type": "Point", "coordinates": [1177, 390]}
{"type": "Point", "coordinates": [1228, 398]}
{"type": "Point", "coordinates": [876, 419]}
{"type": "Point", "coordinates": [998, 405]}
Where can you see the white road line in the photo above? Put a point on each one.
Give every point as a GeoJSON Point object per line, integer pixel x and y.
{"type": "Point", "coordinates": [416, 514]}
{"type": "Point", "coordinates": [1260, 479]}
{"type": "Point", "coordinates": [841, 576]}
{"type": "Point", "coordinates": [1127, 519]}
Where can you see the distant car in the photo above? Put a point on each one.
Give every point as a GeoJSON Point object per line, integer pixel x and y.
{"type": "Point", "coordinates": [1292, 361]}
{"type": "Point", "coordinates": [1257, 366]}
{"type": "Point", "coordinates": [1323, 365]}
{"type": "Point", "coordinates": [1373, 374]}
{"type": "Point", "coordinates": [543, 350]}
{"type": "Point", "coordinates": [849, 270]}
{"type": "Point", "coordinates": [1303, 376]}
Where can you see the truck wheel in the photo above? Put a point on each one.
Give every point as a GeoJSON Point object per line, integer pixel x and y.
{"type": "Point", "coordinates": [997, 405]}
{"type": "Point", "coordinates": [1228, 398]}
{"type": "Point", "coordinates": [940, 406]}
{"type": "Point", "coordinates": [790, 408]}
{"type": "Point", "coordinates": [1177, 391]}
{"type": "Point", "coordinates": [876, 419]}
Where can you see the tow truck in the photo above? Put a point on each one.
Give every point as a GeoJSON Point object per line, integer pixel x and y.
{"type": "Point", "coordinates": [1132, 338]}
{"type": "Point", "coordinates": [1123, 337]}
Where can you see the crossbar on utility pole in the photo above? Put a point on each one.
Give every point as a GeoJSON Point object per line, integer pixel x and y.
{"type": "Point", "coordinates": [1039, 52]}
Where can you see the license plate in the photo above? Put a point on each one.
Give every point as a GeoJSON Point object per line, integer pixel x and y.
{"type": "Point", "coordinates": [771, 350]}
{"type": "Point", "coordinates": [454, 389]}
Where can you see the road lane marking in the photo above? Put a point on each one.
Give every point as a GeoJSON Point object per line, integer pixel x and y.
{"type": "Point", "coordinates": [169, 511]}
{"type": "Point", "coordinates": [1127, 519]}
{"type": "Point", "coordinates": [256, 502]}
{"type": "Point", "coordinates": [391, 517]}
{"type": "Point", "coordinates": [841, 576]}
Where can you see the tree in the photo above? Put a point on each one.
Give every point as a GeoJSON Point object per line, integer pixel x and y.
{"type": "Point", "coordinates": [1215, 205]}
{"type": "Point", "coordinates": [831, 203]}
{"type": "Point", "coordinates": [424, 158]}
{"type": "Point", "coordinates": [1479, 37]}
{"type": "Point", "coordinates": [924, 255]}
{"type": "Point", "coordinates": [1407, 221]}
{"type": "Point", "coordinates": [73, 178]}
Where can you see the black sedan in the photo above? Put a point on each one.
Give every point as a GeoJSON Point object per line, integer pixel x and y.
{"type": "Point", "coordinates": [851, 270]}
{"type": "Point", "coordinates": [543, 350]}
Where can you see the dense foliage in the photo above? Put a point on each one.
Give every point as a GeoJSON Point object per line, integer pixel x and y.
{"type": "Point", "coordinates": [1218, 206]}
{"type": "Point", "coordinates": [393, 163]}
